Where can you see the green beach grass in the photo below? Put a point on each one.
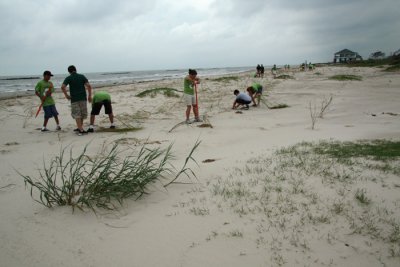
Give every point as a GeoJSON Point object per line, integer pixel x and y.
{"type": "Point", "coordinates": [345, 77]}
{"type": "Point", "coordinates": [168, 92]}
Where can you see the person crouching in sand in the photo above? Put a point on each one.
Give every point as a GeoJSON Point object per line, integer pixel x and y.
{"type": "Point", "coordinates": [255, 91]}
{"type": "Point", "coordinates": [189, 85]}
{"type": "Point", "coordinates": [99, 100]}
{"type": "Point", "coordinates": [241, 99]}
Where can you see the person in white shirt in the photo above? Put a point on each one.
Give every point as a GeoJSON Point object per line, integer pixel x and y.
{"type": "Point", "coordinates": [241, 99]}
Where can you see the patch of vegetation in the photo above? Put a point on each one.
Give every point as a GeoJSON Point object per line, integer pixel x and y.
{"type": "Point", "coordinates": [284, 77]}
{"type": "Point", "coordinates": [346, 77]}
{"type": "Point", "coordinates": [226, 79]}
{"type": "Point", "coordinates": [393, 67]}
{"type": "Point", "coordinates": [393, 60]}
{"type": "Point", "coordinates": [380, 150]}
{"type": "Point", "coordinates": [168, 92]}
{"type": "Point", "coordinates": [118, 130]}
{"type": "Point", "coordinates": [104, 180]}
{"type": "Point", "coordinates": [317, 188]}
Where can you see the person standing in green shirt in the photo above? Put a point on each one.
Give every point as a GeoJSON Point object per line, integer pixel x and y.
{"type": "Point", "coordinates": [99, 100]}
{"type": "Point", "coordinates": [189, 84]}
{"type": "Point", "coordinates": [43, 90]}
{"type": "Point", "coordinates": [78, 84]}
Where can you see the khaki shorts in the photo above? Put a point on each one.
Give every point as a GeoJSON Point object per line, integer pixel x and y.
{"type": "Point", "coordinates": [79, 110]}
{"type": "Point", "coordinates": [189, 99]}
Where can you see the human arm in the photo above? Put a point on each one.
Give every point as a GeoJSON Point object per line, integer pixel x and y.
{"type": "Point", "coordinates": [89, 89]}
{"type": "Point", "coordinates": [234, 104]}
{"type": "Point", "coordinates": [64, 89]}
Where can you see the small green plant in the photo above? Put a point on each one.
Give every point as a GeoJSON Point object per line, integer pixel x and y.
{"type": "Point", "coordinates": [236, 233]}
{"type": "Point", "coordinates": [361, 196]}
{"type": "Point", "coordinates": [226, 79]}
{"type": "Point", "coordinates": [168, 92]}
{"type": "Point", "coordinates": [346, 77]}
{"type": "Point", "coordinates": [284, 77]}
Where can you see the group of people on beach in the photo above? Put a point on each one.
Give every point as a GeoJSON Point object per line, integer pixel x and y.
{"type": "Point", "coordinates": [80, 92]}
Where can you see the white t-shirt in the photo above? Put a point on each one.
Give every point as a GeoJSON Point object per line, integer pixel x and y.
{"type": "Point", "coordinates": [243, 96]}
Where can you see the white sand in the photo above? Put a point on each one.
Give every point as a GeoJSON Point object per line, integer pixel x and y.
{"type": "Point", "coordinates": [161, 229]}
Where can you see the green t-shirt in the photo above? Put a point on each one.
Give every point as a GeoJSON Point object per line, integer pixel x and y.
{"type": "Point", "coordinates": [256, 86]}
{"type": "Point", "coordinates": [76, 84]}
{"type": "Point", "coordinates": [100, 97]}
{"type": "Point", "coordinates": [42, 87]}
{"type": "Point", "coordinates": [188, 86]}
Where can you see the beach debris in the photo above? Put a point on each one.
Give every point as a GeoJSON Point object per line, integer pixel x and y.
{"type": "Point", "coordinates": [208, 160]}
{"type": "Point", "coordinates": [11, 144]}
{"type": "Point", "coordinates": [239, 112]}
{"type": "Point", "coordinates": [391, 113]}
{"type": "Point", "coordinates": [205, 125]}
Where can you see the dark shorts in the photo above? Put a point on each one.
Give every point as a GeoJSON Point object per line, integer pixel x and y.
{"type": "Point", "coordinates": [96, 107]}
{"type": "Point", "coordinates": [50, 111]}
{"type": "Point", "coordinates": [243, 102]}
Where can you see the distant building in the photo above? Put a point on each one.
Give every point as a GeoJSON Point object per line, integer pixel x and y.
{"type": "Point", "coordinates": [377, 55]}
{"type": "Point", "coordinates": [346, 55]}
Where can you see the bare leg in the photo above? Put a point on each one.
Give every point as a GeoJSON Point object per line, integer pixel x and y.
{"type": "Point", "coordinates": [92, 117]}
{"type": "Point", "coordinates": [46, 120]}
{"type": "Point", "coordinates": [79, 123]}
{"type": "Point", "coordinates": [56, 119]}
{"type": "Point", "coordinates": [111, 117]}
{"type": "Point", "coordinates": [188, 112]}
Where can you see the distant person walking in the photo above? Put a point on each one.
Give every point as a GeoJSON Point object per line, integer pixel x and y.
{"type": "Point", "coordinates": [189, 84]}
{"type": "Point", "coordinates": [99, 100]}
{"type": "Point", "coordinates": [43, 90]}
{"type": "Point", "coordinates": [274, 71]}
{"type": "Point", "coordinates": [258, 68]}
{"type": "Point", "coordinates": [78, 85]}
{"type": "Point", "coordinates": [262, 70]}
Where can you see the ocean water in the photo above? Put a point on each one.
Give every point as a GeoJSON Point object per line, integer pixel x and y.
{"type": "Point", "coordinates": [20, 84]}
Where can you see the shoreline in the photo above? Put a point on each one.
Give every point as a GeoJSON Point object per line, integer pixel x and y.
{"type": "Point", "coordinates": [28, 93]}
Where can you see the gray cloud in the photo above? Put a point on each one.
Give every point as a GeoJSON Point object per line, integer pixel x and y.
{"type": "Point", "coordinates": [109, 35]}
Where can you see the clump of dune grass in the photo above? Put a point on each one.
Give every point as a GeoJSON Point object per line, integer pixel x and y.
{"type": "Point", "coordinates": [226, 79]}
{"type": "Point", "coordinates": [395, 67]}
{"type": "Point", "coordinates": [168, 92]}
{"type": "Point", "coordinates": [346, 77]}
{"type": "Point", "coordinates": [284, 77]}
{"type": "Point", "coordinates": [105, 180]}
{"type": "Point", "coordinates": [271, 105]}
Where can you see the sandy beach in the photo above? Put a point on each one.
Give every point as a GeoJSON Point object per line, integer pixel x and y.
{"type": "Point", "coordinates": [226, 216]}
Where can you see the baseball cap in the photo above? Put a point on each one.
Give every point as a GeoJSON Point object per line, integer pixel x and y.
{"type": "Point", "coordinates": [47, 72]}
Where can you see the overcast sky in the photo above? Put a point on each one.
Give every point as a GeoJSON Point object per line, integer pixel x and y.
{"type": "Point", "coordinates": [123, 35]}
